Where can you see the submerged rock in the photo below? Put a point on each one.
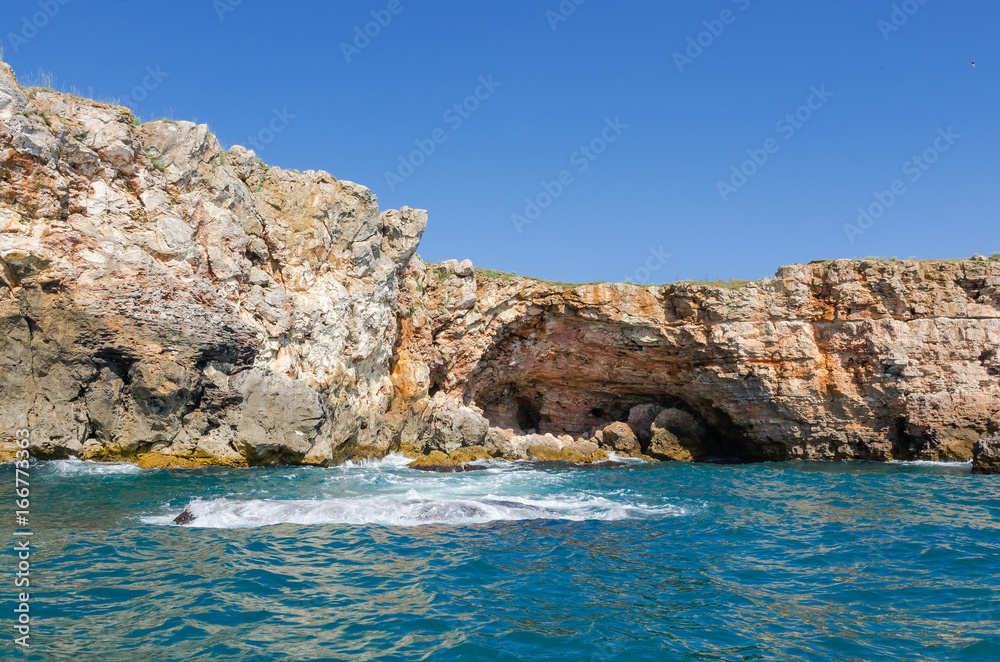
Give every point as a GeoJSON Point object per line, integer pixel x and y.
{"type": "Point", "coordinates": [184, 518]}
{"type": "Point", "coordinates": [608, 464]}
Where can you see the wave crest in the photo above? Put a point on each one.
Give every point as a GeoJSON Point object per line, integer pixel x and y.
{"type": "Point", "coordinates": [232, 513]}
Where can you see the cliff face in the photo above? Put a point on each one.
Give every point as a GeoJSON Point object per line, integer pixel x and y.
{"type": "Point", "coordinates": [164, 298]}
{"type": "Point", "coordinates": [163, 295]}
{"type": "Point", "coordinates": [839, 359]}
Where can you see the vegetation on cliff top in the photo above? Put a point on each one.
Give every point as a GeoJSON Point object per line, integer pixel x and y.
{"type": "Point", "coordinates": [733, 284]}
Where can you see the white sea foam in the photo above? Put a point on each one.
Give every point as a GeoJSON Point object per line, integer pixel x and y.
{"type": "Point", "coordinates": [77, 467]}
{"type": "Point", "coordinates": [409, 511]}
{"type": "Point", "coordinates": [625, 459]}
{"type": "Point", "coordinates": [386, 493]}
{"type": "Point", "coordinates": [391, 461]}
{"type": "Point", "coordinates": [931, 463]}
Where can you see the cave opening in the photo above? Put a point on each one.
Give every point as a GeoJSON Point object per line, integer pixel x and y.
{"type": "Point", "coordinates": [904, 444]}
{"type": "Point", "coordinates": [528, 415]}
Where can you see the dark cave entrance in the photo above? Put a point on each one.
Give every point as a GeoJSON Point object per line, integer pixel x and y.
{"type": "Point", "coordinates": [528, 415]}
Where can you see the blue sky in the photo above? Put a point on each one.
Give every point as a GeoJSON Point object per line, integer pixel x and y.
{"type": "Point", "coordinates": [606, 77]}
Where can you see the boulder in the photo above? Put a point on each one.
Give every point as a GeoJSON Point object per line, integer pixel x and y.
{"type": "Point", "coordinates": [438, 462]}
{"type": "Point", "coordinates": [450, 426]}
{"type": "Point", "coordinates": [619, 437]}
{"type": "Point", "coordinates": [640, 419]}
{"type": "Point", "coordinates": [582, 446]}
{"type": "Point", "coordinates": [986, 456]}
{"type": "Point", "coordinates": [676, 435]}
{"type": "Point", "coordinates": [542, 453]}
{"type": "Point", "coordinates": [279, 417]}
{"type": "Point", "coordinates": [498, 443]}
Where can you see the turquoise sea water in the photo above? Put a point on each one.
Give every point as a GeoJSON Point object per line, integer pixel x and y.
{"type": "Point", "coordinates": [549, 562]}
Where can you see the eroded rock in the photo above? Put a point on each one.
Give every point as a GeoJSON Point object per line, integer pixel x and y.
{"type": "Point", "coordinates": [619, 437]}
{"type": "Point", "coordinates": [457, 462]}
{"type": "Point", "coordinates": [677, 435]}
{"type": "Point", "coordinates": [986, 456]}
{"type": "Point", "coordinates": [166, 296]}
{"type": "Point", "coordinates": [840, 359]}
{"type": "Point", "coordinates": [640, 420]}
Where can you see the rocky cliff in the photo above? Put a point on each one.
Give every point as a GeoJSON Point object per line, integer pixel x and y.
{"type": "Point", "coordinates": [163, 295]}
{"type": "Point", "coordinates": [169, 301]}
{"type": "Point", "coordinates": [841, 359]}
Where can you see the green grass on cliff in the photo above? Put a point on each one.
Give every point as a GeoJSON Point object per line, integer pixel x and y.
{"type": "Point", "coordinates": [731, 284]}
{"type": "Point", "coordinates": [490, 274]}
{"type": "Point", "coordinates": [558, 283]}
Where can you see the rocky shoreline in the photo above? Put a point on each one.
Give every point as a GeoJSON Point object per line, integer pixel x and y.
{"type": "Point", "coordinates": [172, 303]}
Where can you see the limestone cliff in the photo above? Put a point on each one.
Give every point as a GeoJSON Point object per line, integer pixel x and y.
{"type": "Point", "coordinates": [164, 298]}
{"type": "Point", "coordinates": [164, 295]}
{"type": "Point", "coordinates": [843, 359]}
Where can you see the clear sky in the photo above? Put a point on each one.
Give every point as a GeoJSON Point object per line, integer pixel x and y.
{"type": "Point", "coordinates": [663, 120]}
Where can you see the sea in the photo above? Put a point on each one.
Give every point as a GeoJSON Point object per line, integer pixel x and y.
{"type": "Point", "coordinates": [375, 561]}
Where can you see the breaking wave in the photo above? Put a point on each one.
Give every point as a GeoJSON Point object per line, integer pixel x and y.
{"type": "Point", "coordinates": [232, 513]}
{"type": "Point", "coordinates": [77, 467]}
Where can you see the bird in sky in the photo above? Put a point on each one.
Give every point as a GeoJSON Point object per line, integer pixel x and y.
{"type": "Point", "coordinates": [973, 63]}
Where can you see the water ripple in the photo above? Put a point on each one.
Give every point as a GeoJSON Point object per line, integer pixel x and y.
{"type": "Point", "coordinates": [793, 562]}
